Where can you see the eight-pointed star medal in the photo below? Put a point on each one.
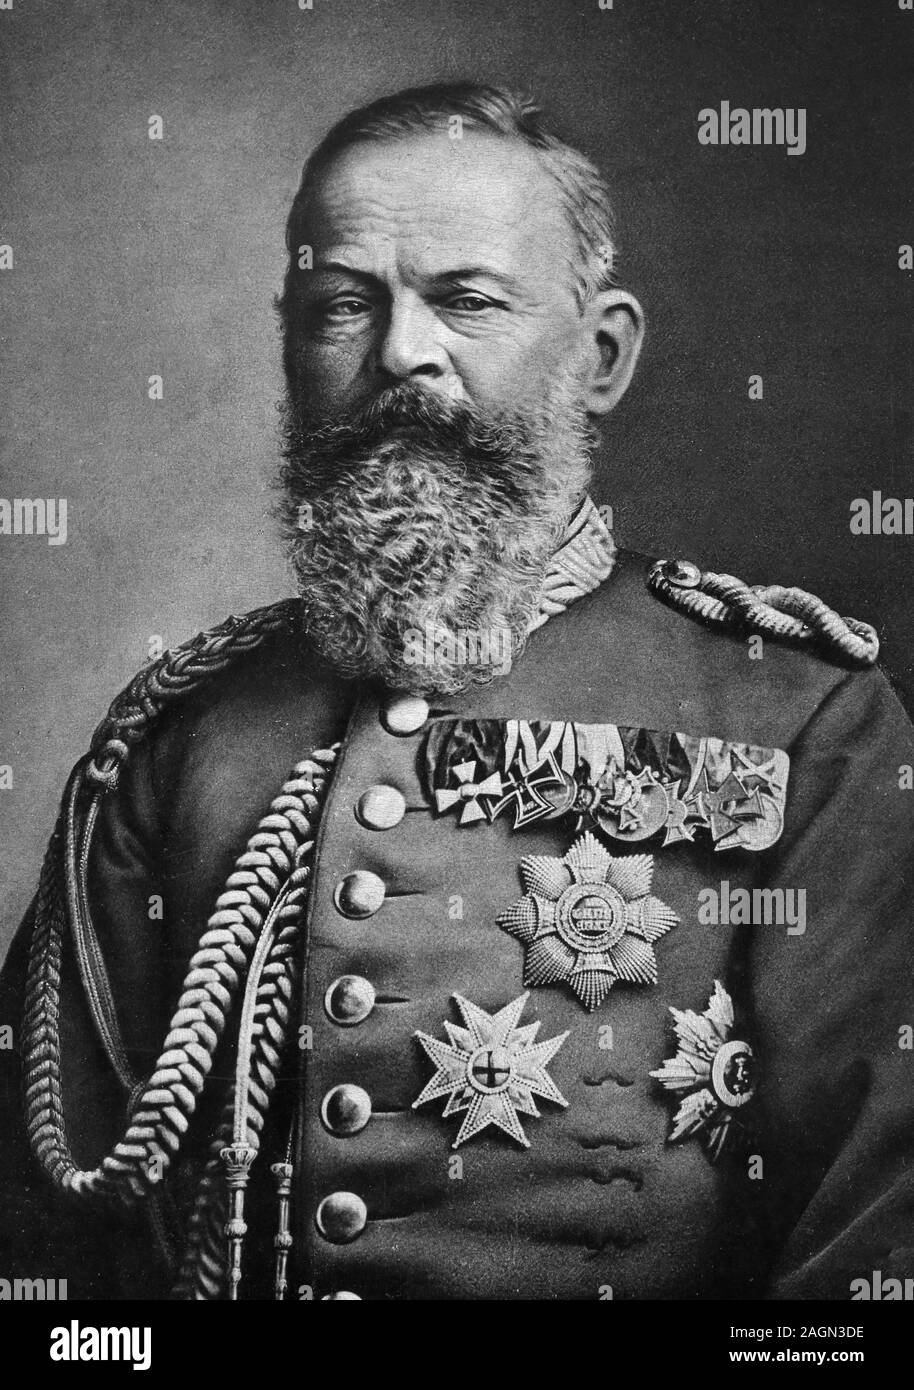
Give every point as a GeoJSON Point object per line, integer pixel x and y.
{"type": "Point", "coordinates": [491, 1069]}
{"type": "Point", "coordinates": [588, 920]}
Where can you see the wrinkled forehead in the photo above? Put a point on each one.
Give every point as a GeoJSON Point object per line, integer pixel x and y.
{"type": "Point", "coordinates": [433, 204]}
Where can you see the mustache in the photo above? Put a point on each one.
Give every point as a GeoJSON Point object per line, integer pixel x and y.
{"type": "Point", "coordinates": [404, 405]}
{"type": "Point", "coordinates": [322, 449]}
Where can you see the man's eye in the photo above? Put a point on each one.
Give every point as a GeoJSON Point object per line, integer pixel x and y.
{"type": "Point", "coordinates": [469, 303]}
{"type": "Point", "coordinates": [347, 308]}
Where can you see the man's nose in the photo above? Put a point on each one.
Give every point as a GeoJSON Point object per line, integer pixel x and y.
{"type": "Point", "coordinates": [411, 346]}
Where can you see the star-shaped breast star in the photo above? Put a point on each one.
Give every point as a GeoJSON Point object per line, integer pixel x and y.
{"type": "Point", "coordinates": [712, 1075]}
{"type": "Point", "coordinates": [588, 920]}
{"type": "Point", "coordinates": [491, 1070]}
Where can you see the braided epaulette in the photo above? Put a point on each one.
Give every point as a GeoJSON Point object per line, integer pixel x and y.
{"type": "Point", "coordinates": [788, 615]}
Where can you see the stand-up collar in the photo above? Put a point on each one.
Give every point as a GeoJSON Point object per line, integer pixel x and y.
{"type": "Point", "coordinates": [581, 563]}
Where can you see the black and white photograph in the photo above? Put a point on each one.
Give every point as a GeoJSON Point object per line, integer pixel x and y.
{"type": "Point", "coordinates": [457, 629]}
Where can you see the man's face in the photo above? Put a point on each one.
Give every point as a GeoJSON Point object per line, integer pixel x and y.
{"type": "Point", "coordinates": [448, 262]}
{"type": "Point", "coordinates": [436, 428]}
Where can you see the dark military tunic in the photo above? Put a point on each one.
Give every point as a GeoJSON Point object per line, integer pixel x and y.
{"type": "Point", "coordinates": [403, 917]}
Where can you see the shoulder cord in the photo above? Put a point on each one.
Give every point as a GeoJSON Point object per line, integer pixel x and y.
{"type": "Point", "coordinates": [213, 1247]}
{"type": "Point", "coordinates": [161, 1112]}
{"type": "Point", "coordinates": [771, 610]}
{"type": "Point", "coordinates": [214, 1242]}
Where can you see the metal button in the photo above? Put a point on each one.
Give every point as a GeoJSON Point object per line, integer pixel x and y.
{"type": "Point", "coordinates": [341, 1217]}
{"type": "Point", "coordinates": [359, 894]}
{"type": "Point", "coordinates": [346, 1109]}
{"type": "Point", "coordinates": [381, 807]}
{"type": "Point", "coordinates": [349, 1000]}
{"type": "Point", "coordinates": [682, 573]}
{"type": "Point", "coordinates": [405, 714]}
{"type": "Point", "coordinates": [343, 1293]}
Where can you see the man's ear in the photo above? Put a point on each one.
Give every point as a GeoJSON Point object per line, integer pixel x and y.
{"type": "Point", "coordinates": [614, 329]}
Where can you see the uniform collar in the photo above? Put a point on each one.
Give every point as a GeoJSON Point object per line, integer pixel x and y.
{"type": "Point", "coordinates": [581, 563]}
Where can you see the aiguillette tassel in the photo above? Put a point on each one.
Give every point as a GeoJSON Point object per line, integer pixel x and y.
{"type": "Point", "coordinates": [282, 1241]}
{"type": "Point", "coordinates": [237, 1159]}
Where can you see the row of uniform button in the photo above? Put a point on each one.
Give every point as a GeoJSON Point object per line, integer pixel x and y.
{"type": "Point", "coordinates": [381, 807]}
{"type": "Point", "coordinates": [346, 1109]}
{"type": "Point", "coordinates": [348, 1001]}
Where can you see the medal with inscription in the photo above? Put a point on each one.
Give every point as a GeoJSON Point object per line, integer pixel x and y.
{"type": "Point", "coordinates": [588, 920]}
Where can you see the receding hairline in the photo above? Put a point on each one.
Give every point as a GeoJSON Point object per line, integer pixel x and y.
{"type": "Point", "coordinates": [527, 156]}
{"type": "Point", "coordinates": [583, 196]}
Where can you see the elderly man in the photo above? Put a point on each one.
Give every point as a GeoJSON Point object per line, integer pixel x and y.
{"type": "Point", "coordinates": [485, 922]}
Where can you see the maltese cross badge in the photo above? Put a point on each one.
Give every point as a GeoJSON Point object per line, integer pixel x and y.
{"type": "Point", "coordinates": [491, 1070]}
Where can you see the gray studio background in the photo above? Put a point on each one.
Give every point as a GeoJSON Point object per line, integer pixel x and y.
{"type": "Point", "coordinates": [134, 258]}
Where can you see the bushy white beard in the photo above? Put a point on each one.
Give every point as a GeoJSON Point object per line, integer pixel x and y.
{"type": "Point", "coordinates": [424, 515]}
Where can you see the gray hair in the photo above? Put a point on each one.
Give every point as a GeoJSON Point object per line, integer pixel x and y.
{"type": "Point", "coordinates": [583, 192]}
